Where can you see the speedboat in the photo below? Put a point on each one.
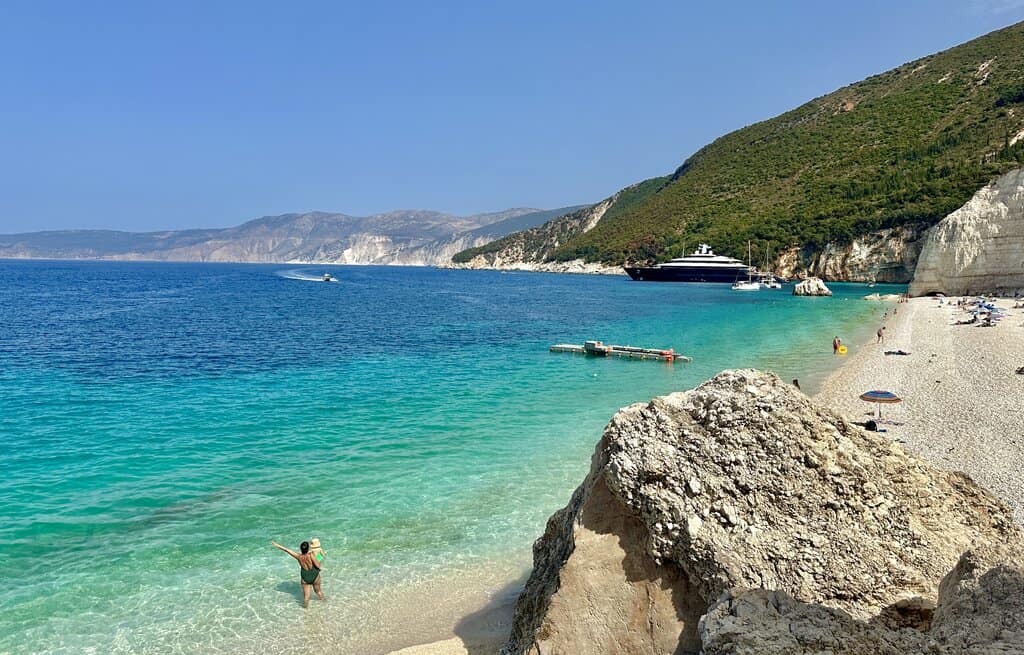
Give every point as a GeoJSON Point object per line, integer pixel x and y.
{"type": "Point", "coordinates": [327, 277]}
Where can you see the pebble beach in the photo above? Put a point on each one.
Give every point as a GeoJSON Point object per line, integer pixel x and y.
{"type": "Point", "coordinates": [963, 402]}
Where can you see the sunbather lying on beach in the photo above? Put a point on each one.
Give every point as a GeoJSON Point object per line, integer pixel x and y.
{"type": "Point", "coordinates": [309, 570]}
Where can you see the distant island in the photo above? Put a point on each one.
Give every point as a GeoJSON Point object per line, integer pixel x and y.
{"type": "Point", "coordinates": [407, 237]}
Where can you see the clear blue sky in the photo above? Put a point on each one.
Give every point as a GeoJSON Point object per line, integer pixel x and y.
{"type": "Point", "coordinates": [138, 115]}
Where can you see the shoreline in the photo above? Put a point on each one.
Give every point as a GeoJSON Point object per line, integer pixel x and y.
{"type": "Point", "coordinates": [961, 397]}
{"type": "Point", "coordinates": [480, 628]}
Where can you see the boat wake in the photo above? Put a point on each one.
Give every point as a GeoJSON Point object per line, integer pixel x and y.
{"type": "Point", "coordinates": [304, 275]}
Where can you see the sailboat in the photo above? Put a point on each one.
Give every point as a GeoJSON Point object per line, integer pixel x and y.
{"type": "Point", "coordinates": [750, 284]}
{"type": "Point", "coordinates": [769, 281]}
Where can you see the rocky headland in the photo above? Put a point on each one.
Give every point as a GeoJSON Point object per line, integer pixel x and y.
{"type": "Point", "coordinates": [742, 517]}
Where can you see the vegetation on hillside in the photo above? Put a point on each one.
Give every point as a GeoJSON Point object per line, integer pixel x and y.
{"type": "Point", "coordinates": [541, 241]}
{"type": "Point", "coordinates": [904, 147]}
{"type": "Point", "coordinates": [534, 240]}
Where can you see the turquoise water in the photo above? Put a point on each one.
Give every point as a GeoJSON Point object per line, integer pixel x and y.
{"type": "Point", "coordinates": [160, 423]}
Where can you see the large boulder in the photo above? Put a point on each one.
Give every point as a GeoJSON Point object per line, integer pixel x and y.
{"type": "Point", "coordinates": [812, 286]}
{"type": "Point", "coordinates": [980, 610]}
{"type": "Point", "coordinates": [744, 484]}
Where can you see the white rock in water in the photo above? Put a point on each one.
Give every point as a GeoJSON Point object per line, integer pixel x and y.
{"type": "Point", "coordinates": [812, 286]}
{"type": "Point", "coordinates": [979, 248]}
{"type": "Point", "coordinates": [880, 297]}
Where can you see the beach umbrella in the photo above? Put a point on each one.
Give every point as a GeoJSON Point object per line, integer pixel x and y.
{"type": "Point", "coordinates": [880, 398]}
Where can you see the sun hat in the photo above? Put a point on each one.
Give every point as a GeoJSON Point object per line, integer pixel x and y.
{"type": "Point", "coordinates": [314, 544]}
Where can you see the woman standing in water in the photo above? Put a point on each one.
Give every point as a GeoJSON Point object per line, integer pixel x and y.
{"type": "Point", "coordinates": [309, 570]}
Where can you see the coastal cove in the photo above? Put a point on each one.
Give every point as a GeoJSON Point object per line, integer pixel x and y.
{"type": "Point", "coordinates": [956, 379]}
{"type": "Point", "coordinates": [163, 422]}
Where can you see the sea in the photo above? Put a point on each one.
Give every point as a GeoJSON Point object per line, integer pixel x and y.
{"type": "Point", "coordinates": [161, 423]}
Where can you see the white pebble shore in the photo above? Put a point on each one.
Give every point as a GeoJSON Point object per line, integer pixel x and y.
{"type": "Point", "coordinates": [963, 403]}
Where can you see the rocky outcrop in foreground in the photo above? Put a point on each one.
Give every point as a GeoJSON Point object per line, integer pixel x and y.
{"type": "Point", "coordinates": [740, 517]}
{"type": "Point", "coordinates": [812, 286]}
{"type": "Point", "coordinates": [979, 248]}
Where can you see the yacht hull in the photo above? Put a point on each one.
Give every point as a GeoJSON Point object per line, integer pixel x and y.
{"type": "Point", "coordinates": [702, 266]}
{"type": "Point", "coordinates": [665, 274]}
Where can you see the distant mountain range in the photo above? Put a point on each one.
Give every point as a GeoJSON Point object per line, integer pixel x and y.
{"type": "Point", "coordinates": [409, 237]}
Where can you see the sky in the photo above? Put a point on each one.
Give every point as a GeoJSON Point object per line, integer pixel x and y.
{"type": "Point", "coordinates": [149, 116]}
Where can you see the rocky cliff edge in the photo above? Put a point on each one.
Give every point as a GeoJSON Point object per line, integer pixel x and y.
{"type": "Point", "coordinates": [979, 248]}
{"type": "Point", "coordinates": [740, 517]}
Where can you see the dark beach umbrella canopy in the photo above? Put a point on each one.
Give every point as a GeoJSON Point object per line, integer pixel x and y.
{"type": "Point", "coordinates": [877, 396]}
{"type": "Point", "coordinates": [880, 398]}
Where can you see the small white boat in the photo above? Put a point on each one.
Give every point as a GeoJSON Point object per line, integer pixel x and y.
{"type": "Point", "coordinates": [746, 285]}
{"type": "Point", "coordinates": [327, 277]}
{"type": "Point", "coordinates": [768, 280]}
{"type": "Point", "coordinates": [750, 284]}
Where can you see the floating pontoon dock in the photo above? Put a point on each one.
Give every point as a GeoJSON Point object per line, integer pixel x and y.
{"type": "Point", "coordinates": [598, 349]}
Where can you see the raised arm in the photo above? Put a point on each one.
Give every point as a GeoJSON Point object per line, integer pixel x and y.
{"type": "Point", "coordinates": [280, 547]}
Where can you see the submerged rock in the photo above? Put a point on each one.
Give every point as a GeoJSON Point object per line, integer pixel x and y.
{"type": "Point", "coordinates": [741, 484]}
{"type": "Point", "coordinates": [812, 286]}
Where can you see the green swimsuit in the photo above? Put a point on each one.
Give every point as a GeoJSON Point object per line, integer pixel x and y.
{"type": "Point", "coordinates": [309, 576]}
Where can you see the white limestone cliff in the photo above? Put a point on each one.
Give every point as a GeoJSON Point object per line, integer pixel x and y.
{"type": "Point", "coordinates": [888, 255]}
{"type": "Point", "coordinates": [979, 248]}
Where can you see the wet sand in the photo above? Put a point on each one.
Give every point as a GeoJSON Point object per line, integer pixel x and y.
{"type": "Point", "coordinates": [479, 630]}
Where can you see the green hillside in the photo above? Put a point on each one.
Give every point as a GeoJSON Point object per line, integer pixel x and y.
{"type": "Point", "coordinates": [904, 147]}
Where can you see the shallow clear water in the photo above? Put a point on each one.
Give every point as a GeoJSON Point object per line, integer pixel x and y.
{"type": "Point", "coordinates": [160, 423]}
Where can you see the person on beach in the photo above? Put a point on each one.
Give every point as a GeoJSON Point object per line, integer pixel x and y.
{"type": "Point", "coordinates": [881, 335]}
{"type": "Point", "coordinates": [309, 570]}
{"type": "Point", "coordinates": [796, 383]}
{"type": "Point", "coordinates": [835, 345]}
